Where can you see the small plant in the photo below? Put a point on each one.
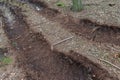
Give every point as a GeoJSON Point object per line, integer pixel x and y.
{"type": "Point", "coordinates": [6, 60]}
{"type": "Point", "coordinates": [60, 4]}
{"type": "Point", "coordinates": [77, 5]}
{"type": "Point", "coordinates": [14, 44]}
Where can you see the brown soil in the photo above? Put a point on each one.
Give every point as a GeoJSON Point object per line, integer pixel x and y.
{"type": "Point", "coordinates": [86, 28]}
{"type": "Point", "coordinates": [39, 62]}
{"type": "Point", "coordinates": [102, 11]}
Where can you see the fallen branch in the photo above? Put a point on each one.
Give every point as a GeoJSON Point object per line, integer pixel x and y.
{"type": "Point", "coordinates": [61, 41]}
{"type": "Point", "coordinates": [2, 76]}
{"type": "Point", "coordinates": [110, 63]}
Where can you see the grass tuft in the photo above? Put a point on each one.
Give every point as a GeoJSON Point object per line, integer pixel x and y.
{"type": "Point", "coordinates": [6, 60]}
{"type": "Point", "coordinates": [60, 4]}
{"type": "Point", "coordinates": [77, 5]}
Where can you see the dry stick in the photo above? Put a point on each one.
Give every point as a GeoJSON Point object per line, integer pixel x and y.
{"type": "Point", "coordinates": [2, 76]}
{"type": "Point", "coordinates": [37, 24]}
{"type": "Point", "coordinates": [113, 48]}
{"type": "Point", "coordinates": [110, 63]}
{"type": "Point", "coordinates": [94, 29]}
{"type": "Point", "coordinates": [61, 41]}
{"type": "Point", "coordinates": [98, 59]}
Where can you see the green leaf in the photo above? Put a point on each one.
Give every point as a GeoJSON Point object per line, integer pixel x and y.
{"type": "Point", "coordinates": [60, 4]}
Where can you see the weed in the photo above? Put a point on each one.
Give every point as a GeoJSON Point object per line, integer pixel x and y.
{"type": "Point", "coordinates": [14, 44]}
{"type": "Point", "coordinates": [60, 4]}
{"type": "Point", "coordinates": [6, 60]}
{"type": "Point", "coordinates": [77, 5]}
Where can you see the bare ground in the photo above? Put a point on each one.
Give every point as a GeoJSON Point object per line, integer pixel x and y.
{"type": "Point", "coordinates": [65, 64]}
{"type": "Point", "coordinates": [106, 39]}
{"type": "Point", "coordinates": [100, 11]}
{"type": "Point", "coordinates": [39, 62]}
{"type": "Point", "coordinates": [7, 71]}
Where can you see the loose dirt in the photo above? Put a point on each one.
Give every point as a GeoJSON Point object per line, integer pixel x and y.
{"type": "Point", "coordinates": [3, 38]}
{"type": "Point", "coordinates": [84, 27]}
{"type": "Point", "coordinates": [34, 54]}
{"type": "Point", "coordinates": [39, 62]}
{"type": "Point", "coordinates": [102, 11]}
{"type": "Point", "coordinates": [7, 71]}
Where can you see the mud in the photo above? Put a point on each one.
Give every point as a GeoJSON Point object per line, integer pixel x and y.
{"type": "Point", "coordinates": [90, 30]}
{"type": "Point", "coordinates": [39, 62]}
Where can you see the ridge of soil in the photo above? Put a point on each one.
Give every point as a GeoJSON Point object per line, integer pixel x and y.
{"type": "Point", "coordinates": [39, 62]}
{"type": "Point", "coordinates": [92, 31]}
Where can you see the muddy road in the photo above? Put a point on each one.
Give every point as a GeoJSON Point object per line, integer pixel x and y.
{"type": "Point", "coordinates": [35, 56]}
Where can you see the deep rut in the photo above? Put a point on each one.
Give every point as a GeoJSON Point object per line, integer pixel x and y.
{"type": "Point", "coordinates": [83, 27]}
{"type": "Point", "coordinates": [36, 57]}
{"type": "Point", "coordinates": [39, 62]}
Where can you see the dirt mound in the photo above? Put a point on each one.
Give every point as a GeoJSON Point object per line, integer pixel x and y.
{"type": "Point", "coordinates": [82, 27]}
{"type": "Point", "coordinates": [102, 11]}
{"type": "Point", "coordinates": [39, 62]}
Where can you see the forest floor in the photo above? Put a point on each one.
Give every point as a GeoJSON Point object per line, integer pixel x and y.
{"type": "Point", "coordinates": [47, 43]}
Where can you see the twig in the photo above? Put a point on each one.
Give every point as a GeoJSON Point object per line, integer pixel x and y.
{"type": "Point", "coordinates": [37, 24]}
{"type": "Point", "coordinates": [2, 76]}
{"type": "Point", "coordinates": [61, 41]}
{"type": "Point", "coordinates": [113, 48]}
{"type": "Point", "coordinates": [94, 29]}
{"type": "Point", "coordinates": [110, 63]}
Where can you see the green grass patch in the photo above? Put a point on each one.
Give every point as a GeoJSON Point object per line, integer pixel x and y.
{"type": "Point", "coordinates": [14, 44]}
{"type": "Point", "coordinates": [6, 60]}
{"type": "Point", "coordinates": [77, 5]}
{"type": "Point", "coordinates": [60, 4]}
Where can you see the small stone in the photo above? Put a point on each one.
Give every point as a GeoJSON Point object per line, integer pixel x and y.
{"type": "Point", "coordinates": [93, 75]}
{"type": "Point", "coordinates": [38, 9]}
{"type": "Point", "coordinates": [30, 47]}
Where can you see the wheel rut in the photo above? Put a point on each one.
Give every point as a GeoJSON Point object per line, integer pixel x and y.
{"type": "Point", "coordinates": [37, 59]}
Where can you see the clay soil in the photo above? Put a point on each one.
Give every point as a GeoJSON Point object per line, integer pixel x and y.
{"type": "Point", "coordinates": [39, 62]}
